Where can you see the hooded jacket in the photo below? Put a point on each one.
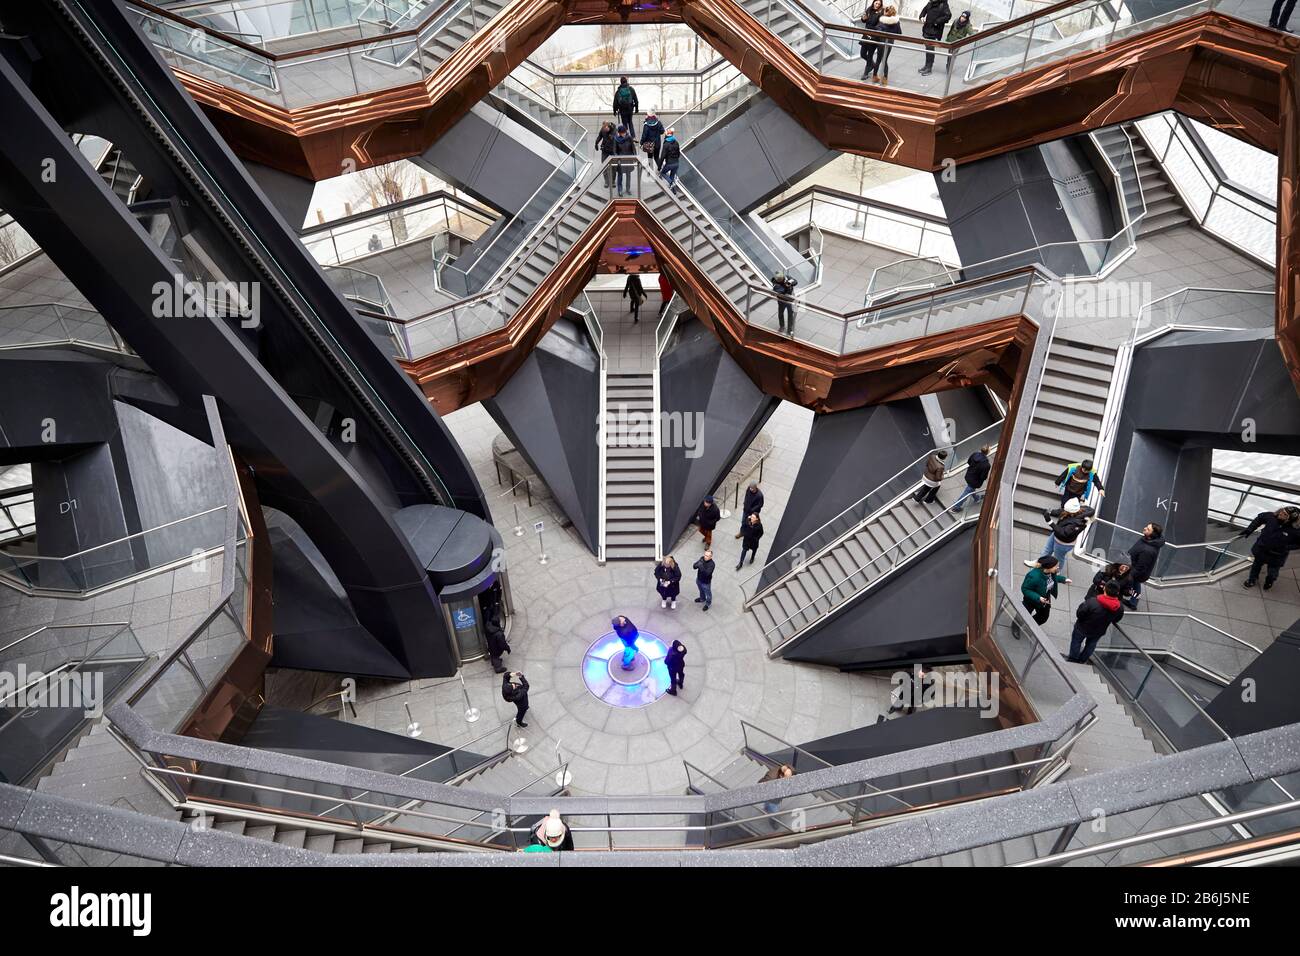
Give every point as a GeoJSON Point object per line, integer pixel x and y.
{"type": "Point", "coordinates": [707, 515]}
{"type": "Point", "coordinates": [1101, 579]}
{"type": "Point", "coordinates": [890, 25]}
{"type": "Point", "coordinates": [977, 469]}
{"type": "Point", "coordinates": [1096, 614]}
{"type": "Point", "coordinates": [933, 16]}
{"type": "Point", "coordinates": [675, 659]}
{"type": "Point", "coordinates": [1142, 557]}
{"type": "Point", "coordinates": [624, 145]}
{"type": "Point", "coordinates": [1078, 487]}
{"type": "Point", "coordinates": [515, 694]}
{"type": "Point", "coordinates": [627, 632]}
{"type": "Point", "coordinates": [652, 131]}
{"type": "Point", "coordinates": [753, 501]}
{"type": "Point", "coordinates": [961, 28]}
{"type": "Point", "coordinates": [751, 534]}
{"type": "Point", "coordinates": [1276, 540]}
{"type": "Point", "coordinates": [671, 154]}
{"type": "Point", "coordinates": [934, 471]}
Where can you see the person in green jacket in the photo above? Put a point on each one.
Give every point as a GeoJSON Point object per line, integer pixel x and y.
{"type": "Point", "coordinates": [961, 28]}
{"type": "Point", "coordinates": [1039, 587]}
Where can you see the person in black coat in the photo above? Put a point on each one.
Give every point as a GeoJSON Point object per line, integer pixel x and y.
{"type": "Point", "coordinates": [1278, 539]}
{"type": "Point", "coordinates": [1120, 573]}
{"type": "Point", "coordinates": [668, 581]}
{"type": "Point", "coordinates": [707, 517]}
{"type": "Point", "coordinates": [977, 472]}
{"type": "Point", "coordinates": [1092, 619]}
{"type": "Point", "coordinates": [624, 168]}
{"type": "Point", "coordinates": [753, 505]}
{"type": "Point", "coordinates": [933, 16]}
{"type": "Point", "coordinates": [627, 633]}
{"type": "Point", "coordinates": [752, 531]}
{"type": "Point", "coordinates": [605, 146]}
{"type": "Point", "coordinates": [625, 104]}
{"type": "Point", "coordinates": [1142, 560]}
{"type": "Point", "coordinates": [634, 292]}
{"type": "Point", "coordinates": [652, 132]}
{"type": "Point", "coordinates": [496, 642]}
{"type": "Point", "coordinates": [514, 690]}
{"type": "Point", "coordinates": [869, 47]}
{"type": "Point", "coordinates": [676, 661]}
{"type": "Point", "coordinates": [704, 578]}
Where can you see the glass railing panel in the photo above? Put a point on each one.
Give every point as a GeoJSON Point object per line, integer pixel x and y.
{"type": "Point", "coordinates": [1250, 224]}
{"type": "Point", "coordinates": [210, 56]}
{"type": "Point", "coordinates": [1197, 642]}
{"type": "Point", "coordinates": [1028, 662]}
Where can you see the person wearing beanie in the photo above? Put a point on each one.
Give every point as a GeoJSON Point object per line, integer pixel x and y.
{"type": "Point", "coordinates": [1039, 587]}
{"type": "Point", "coordinates": [625, 104]}
{"type": "Point", "coordinates": [1078, 480]}
{"type": "Point", "coordinates": [707, 517]}
{"type": "Point", "coordinates": [624, 168]}
{"type": "Point", "coordinates": [553, 833]}
{"type": "Point", "coordinates": [670, 158]}
{"type": "Point", "coordinates": [928, 493]}
{"type": "Point", "coordinates": [1094, 616]}
{"type": "Point", "coordinates": [675, 660]}
{"type": "Point", "coordinates": [1068, 523]}
{"type": "Point", "coordinates": [961, 28]}
{"type": "Point", "coordinates": [627, 633]}
{"type": "Point", "coordinates": [652, 131]}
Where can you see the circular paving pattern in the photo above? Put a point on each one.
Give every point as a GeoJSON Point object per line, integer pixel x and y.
{"type": "Point", "coordinates": [641, 684]}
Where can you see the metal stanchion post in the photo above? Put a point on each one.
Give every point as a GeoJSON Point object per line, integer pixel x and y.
{"type": "Point", "coordinates": [413, 727]}
{"type": "Point", "coordinates": [519, 529]}
{"type": "Point", "coordinates": [471, 712]}
{"type": "Point", "coordinates": [563, 776]}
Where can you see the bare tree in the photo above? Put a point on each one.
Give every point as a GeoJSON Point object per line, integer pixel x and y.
{"type": "Point", "coordinates": [861, 168]}
{"type": "Point", "coordinates": [386, 184]}
{"type": "Point", "coordinates": [614, 40]}
{"type": "Point", "coordinates": [557, 61]}
{"type": "Point", "coordinates": [659, 48]}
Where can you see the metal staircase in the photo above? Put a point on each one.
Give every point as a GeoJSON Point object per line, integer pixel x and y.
{"type": "Point", "coordinates": [1164, 207]}
{"type": "Point", "coordinates": [1065, 426]}
{"type": "Point", "coordinates": [435, 48]}
{"type": "Point", "coordinates": [630, 452]}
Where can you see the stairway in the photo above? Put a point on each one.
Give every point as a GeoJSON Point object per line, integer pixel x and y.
{"type": "Point", "coordinates": [1165, 209]}
{"type": "Point", "coordinates": [730, 273]}
{"type": "Point", "coordinates": [831, 580]}
{"type": "Point", "coordinates": [799, 34]}
{"type": "Point", "coordinates": [916, 321]}
{"type": "Point", "coordinates": [465, 24]}
{"type": "Point", "coordinates": [98, 769]}
{"type": "Point", "coordinates": [688, 126]}
{"type": "Point", "coordinates": [629, 466]}
{"type": "Point", "coordinates": [1065, 426]}
{"type": "Point", "coordinates": [1115, 740]}
{"type": "Point", "coordinates": [548, 122]}
{"type": "Point", "coordinates": [120, 174]}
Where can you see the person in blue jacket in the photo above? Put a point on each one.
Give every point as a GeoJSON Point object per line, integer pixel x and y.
{"type": "Point", "coordinates": [627, 633]}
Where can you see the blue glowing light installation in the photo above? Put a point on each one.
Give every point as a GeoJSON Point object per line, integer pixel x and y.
{"type": "Point", "coordinates": [603, 675]}
{"type": "Point", "coordinates": [631, 252]}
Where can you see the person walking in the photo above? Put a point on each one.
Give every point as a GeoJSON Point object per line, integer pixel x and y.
{"type": "Point", "coordinates": [675, 660]}
{"type": "Point", "coordinates": [1142, 560]}
{"type": "Point", "coordinates": [666, 291]}
{"type": "Point", "coordinates": [1067, 524]}
{"type": "Point", "coordinates": [1040, 586]}
{"type": "Point", "coordinates": [933, 16]}
{"type": "Point", "coordinates": [909, 690]}
{"type": "Point", "coordinates": [889, 23]}
{"type": "Point", "coordinates": [932, 479]}
{"type": "Point", "coordinates": [627, 633]}
{"type": "Point", "coordinates": [783, 285]}
{"type": "Point", "coordinates": [1278, 539]}
{"type": "Point", "coordinates": [1094, 616]}
{"type": "Point", "coordinates": [707, 517]}
{"type": "Point", "coordinates": [704, 578]}
{"type": "Point", "coordinates": [977, 472]}
{"type": "Point", "coordinates": [1078, 480]}
{"type": "Point", "coordinates": [869, 47]}
{"type": "Point", "coordinates": [668, 581]}
{"type": "Point", "coordinates": [605, 147]}
{"type": "Point", "coordinates": [961, 28]}
{"type": "Point", "coordinates": [625, 104]}
{"type": "Point", "coordinates": [1281, 14]}
{"type": "Point", "coordinates": [670, 158]}
{"type": "Point", "coordinates": [624, 167]}
{"type": "Point", "coordinates": [752, 506]}
{"type": "Point", "coordinates": [652, 133]}
{"type": "Point", "coordinates": [514, 690]}
{"type": "Point", "coordinates": [751, 531]}
{"type": "Point", "coordinates": [552, 833]}
{"type": "Point", "coordinates": [496, 640]}
{"type": "Point", "coordinates": [634, 292]}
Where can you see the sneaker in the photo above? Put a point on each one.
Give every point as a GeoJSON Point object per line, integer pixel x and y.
{"type": "Point", "coordinates": [663, 603]}
{"type": "Point", "coordinates": [1030, 564]}
{"type": "Point", "coordinates": [674, 607]}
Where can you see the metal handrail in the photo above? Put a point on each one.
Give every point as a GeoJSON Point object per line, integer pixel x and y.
{"type": "Point", "coordinates": [1193, 617]}
{"type": "Point", "coordinates": [53, 627]}
{"type": "Point", "coordinates": [1182, 829]}
{"type": "Point", "coordinates": [861, 568]}
{"type": "Point", "coordinates": [1219, 547]}
{"type": "Point", "coordinates": [118, 541]}
{"type": "Point", "coordinates": [898, 474]}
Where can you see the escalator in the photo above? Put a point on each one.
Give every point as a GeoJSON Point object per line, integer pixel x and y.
{"type": "Point", "coordinates": [334, 433]}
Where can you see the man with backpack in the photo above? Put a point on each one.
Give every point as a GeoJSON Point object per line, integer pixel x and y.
{"type": "Point", "coordinates": [670, 158]}
{"type": "Point", "coordinates": [1070, 522]}
{"type": "Point", "coordinates": [626, 105]}
{"type": "Point", "coordinates": [514, 690]}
